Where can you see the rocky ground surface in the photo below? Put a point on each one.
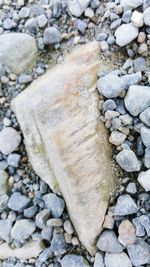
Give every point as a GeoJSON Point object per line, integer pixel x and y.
{"type": "Point", "coordinates": [29, 211]}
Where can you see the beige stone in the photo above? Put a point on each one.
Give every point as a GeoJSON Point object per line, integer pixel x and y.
{"type": "Point", "coordinates": [28, 251]}
{"type": "Point", "coordinates": [66, 142]}
{"type": "Point", "coordinates": [127, 233]}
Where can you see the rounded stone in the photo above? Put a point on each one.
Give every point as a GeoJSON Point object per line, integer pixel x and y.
{"type": "Point", "coordinates": [125, 34]}
{"type": "Point", "coordinates": [128, 161]}
{"type": "Point", "coordinates": [52, 36]}
{"type": "Point", "coordinates": [144, 180]}
{"type": "Point", "coordinates": [9, 140]}
{"type": "Point", "coordinates": [23, 229]}
{"type": "Point", "coordinates": [117, 260]}
{"type": "Point", "coordinates": [127, 234]}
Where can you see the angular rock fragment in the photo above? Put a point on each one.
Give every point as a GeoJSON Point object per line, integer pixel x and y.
{"type": "Point", "coordinates": [66, 143]}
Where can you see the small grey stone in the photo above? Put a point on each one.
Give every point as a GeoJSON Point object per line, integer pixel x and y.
{"type": "Point", "coordinates": [145, 222]}
{"type": "Point", "coordinates": [3, 182]}
{"type": "Point", "coordinates": [68, 227]}
{"type": "Point", "coordinates": [139, 252]}
{"type": "Point", "coordinates": [42, 20]}
{"type": "Point", "coordinates": [117, 260]}
{"type": "Point", "coordinates": [117, 138]}
{"type": "Point", "coordinates": [74, 261]}
{"type": "Point", "coordinates": [77, 7]}
{"type": "Point", "coordinates": [55, 204]}
{"type": "Point", "coordinates": [126, 119]}
{"type": "Point", "coordinates": [8, 24]}
{"type": "Point", "coordinates": [127, 16]}
{"type": "Point", "coordinates": [145, 116]}
{"type": "Point", "coordinates": [109, 105]}
{"type": "Point", "coordinates": [108, 242]}
{"type": "Point", "coordinates": [55, 222]}
{"type": "Point", "coordinates": [99, 261]}
{"type": "Point", "coordinates": [111, 40]}
{"type": "Point", "coordinates": [45, 255]}
{"type": "Point", "coordinates": [115, 24]}
{"type": "Point", "coordinates": [131, 79]}
{"type": "Point", "coordinates": [130, 4]}
{"type": "Point", "coordinates": [137, 99]}
{"type": "Point", "coordinates": [146, 3]}
{"type": "Point", "coordinates": [125, 34]}
{"type": "Point", "coordinates": [24, 12]}
{"type": "Point", "coordinates": [3, 165]}
{"type": "Point", "coordinates": [47, 232]}
{"type": "Point", "coordinates": [30, 212]}
{"type": "Point", "coordinates": [138, 227]}
{"type": "Point", "coordinates": [5, 229]}
{"type": "Point", "coordinates": [128, 161]}
{"type": "Point", "coordinates": [31, 25]}
{"type": "Point", "coordinates": [18, 202]}
{"type": "Point", "coordinates": [139, 64]}
{"type": "Point", "coordinates": [42, 217]}
{"type": "Point", "coordinates": [81, 25]}
{"type": "Point", "coordinates": [147, 158]}
{"type": "Point", "coordinates": [13, 160]}
{"type": "Point", "coordinates": [23, 229]}
{"type": "Point", "coordinates": [110, 85]}
{"type": "Point", "coordinates": [104, 46]}
{"type": "Point", "coordinates": [131, 188]}
{"type": "Point", "coordinates": [143, 179]}
{"type": "Point", "coordinates": [147, 16]}
{"type": "Point", "coordinates": [58, 244]}
{"type": "Point", "coordinates": [9, 140]}
{"type": "Point", "coordinates": [101, 36]}
{"type": "Point", "coordinates": [24, 79]}
{"type": "Point", "coordinates": [52, 36]}
{"type": "Point", "coordinates": [3, 202]}
{"type": "Point", "coordinates": [125, 206]}
{"type": "Point", "coordinates": [145, 135]}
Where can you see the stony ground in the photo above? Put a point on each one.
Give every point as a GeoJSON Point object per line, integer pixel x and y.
{"type": "Point", "coordinates": [122, 28]}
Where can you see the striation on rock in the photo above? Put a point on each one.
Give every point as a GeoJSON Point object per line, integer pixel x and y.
{"type": "Point", "coordinates": [66, 142]}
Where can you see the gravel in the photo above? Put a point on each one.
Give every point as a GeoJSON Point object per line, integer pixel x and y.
{"type": "Point", "coordinates": [139, 253]}
{"type": "Point", "coordinates": [125, 34]}
{"type": "Point", "coordinates": [5, 229]}
{"type": "Point", "coordinates": [23, 229]}
{"type": "Point", "coordinates": [117, 260]}
{"type": "Point", "coordinates": [128, 161]}
{"type": "Point", "coordinates": [55, 204]}
{"type": "Point", "coordinates": [74, 261]}
{"type": "Point", "coordinates": [143, 179]}
{"type": "Point", "coordinates": [125, 205]}
{"type": "Point", "coordinates": [52, 36]}
{"type": "Point", "coordinates": [18, 202]}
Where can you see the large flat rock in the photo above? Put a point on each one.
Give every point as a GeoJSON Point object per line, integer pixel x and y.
{"type": "Point", "coordinates": [66, 142]}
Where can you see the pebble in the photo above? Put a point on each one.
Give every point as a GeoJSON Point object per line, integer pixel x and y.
{"type": "Point", "coordinates": [101, 36]}
{"type": "Point", "coordinates": [58, 244]}
{"type": "Point", "coordinates": [77, 7]}
{"type": "Point", "coordinates": [140, 232]}
{"type": "Point", "coordinates": [128, 160]}
{"type": "Point", "coordinates": [137, 99]}
{"type": "Point", "coordinates": [30, 212]}
{"type": "Point", "coordinates": [137, 19]}
{"type": "Point", "coordinates": [52, 36]}
{"type": "Point", "coordinates": [147, 158]}
{"type": "Point", "coordinates": [130, 4]}
{"type": "Point", "coordinates": [108, 222]}
{"type": "Point", "coordinates": [145, 135]}
{"type": "Point", "coordinates": [3, 202]}
{"type": "Point", "coordinates": [145, 116]}
{"type": "Point", "coordinates": [47, 233]}
{"type": "Point", "coordinates": [42, 20]}
{"type": "Point", "coordinates": [45, 255]}
{"type": "Point", "coordinates": [127, 234]}
{"type": "Point", "coordinates": [89, 13]}
{"type": "Point", "coordinates": [131, 188]}
{"type": "Point", "coordinates": [74, 261]}
{"type": "Point", "coordinates": [126, 17]}
{"type": "Point", "coordinates": [8, 24]}
{"type": "Point", "coordinates": [55, 204]}
{"type": "Point", "coordinates": [104, 46]}
{"type": "Point", "coordinates": [110, 85]}
{"type": "Point", "coordinates": [18, 202]}
{"type": "Point", "coordinates": [147, 16]}
{"type": "Point", "coordinates": [5, 229]}
{"type": "Point", "coordinates": [145, 222]}
{"type": "Point", "coordinates": [55, 222]}
{"type": "Point", "coordinates": [41, 218]}
{"type": "Point", "coordinates": [99, 261]}
{"type": "Point", "coordinates": [24, 79]}
{"type": "Point", "coordinates": [24, 12]}
{"type": "Point", "coordinates": [139, 64]}
{"type": "Point", "coordinates": [3, 182]}
{"type": "Point", "coordinates": [139, 252]}
{"type": "Point", "coordinates": [23, 229]}
{"type": "Point", "coordinates": [81, 25]}
{"type": "Point", "coordinates": [144, 180]}
{"type": "Point", "coordinates": [13, 160]}
{"type": "Point", "coordinates": [68, 227]}
{"type": "Point", "coordinates": [108, 242]}
{"type": "Point", "coordinates": [9, 140]}
{"type": "Point", "coordinates": [109, 105]}
{"type": "Point", "coordinates": [125, 34]}
{"type": "Point", "coordinates": [117, 138]}
{"type": "Point", "coordinates": [125, 205]}
{"type": "Point", "coordinates": [117, 260]}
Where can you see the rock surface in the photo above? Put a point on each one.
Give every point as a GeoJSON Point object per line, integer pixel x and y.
{"type": "Point", "coordinates": [58, 115]}
{"type": "Point", "coordinates": [17, 51]}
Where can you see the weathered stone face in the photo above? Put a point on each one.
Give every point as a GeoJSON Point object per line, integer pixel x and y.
{"type": "Point", "coordinates": [66, 143]}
